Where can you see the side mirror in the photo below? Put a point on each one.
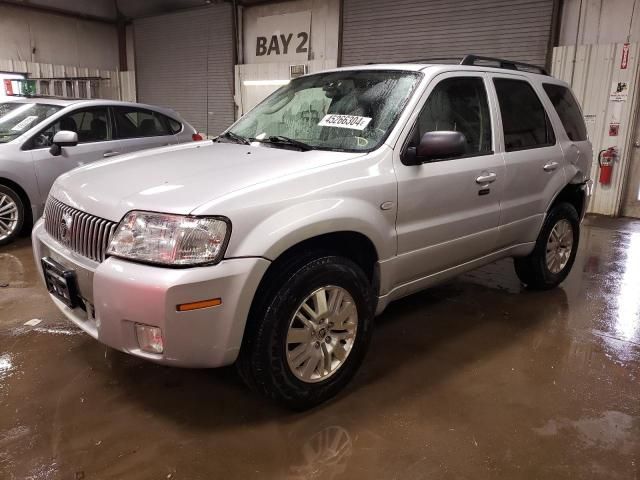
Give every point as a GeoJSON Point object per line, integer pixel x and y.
{"type": "Point", "coordinates": [64, 138]}
{"type": "Point", "coordinates": [436, 145]}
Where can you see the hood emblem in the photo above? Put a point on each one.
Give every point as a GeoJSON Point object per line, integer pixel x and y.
{"type": "Point", "coordinates": [64, 229]}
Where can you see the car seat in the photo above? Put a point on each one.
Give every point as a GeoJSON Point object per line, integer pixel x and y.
{"type": "Point", "coordinates": [148, 127]}
{"type": "Point", "coordinates": [68, 123]}
{"type": "Point", "coordinates": [98, 129]}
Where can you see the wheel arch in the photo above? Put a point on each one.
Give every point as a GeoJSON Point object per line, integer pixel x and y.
{"type": "Point", "coordinates": [574, 194]}
{"type": "Point", "coordinates": [350, 244]}
{"type": "Point", "coordinates": [353, 245]}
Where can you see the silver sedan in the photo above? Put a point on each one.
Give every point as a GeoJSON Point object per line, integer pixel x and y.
{"type": "Point", "coordinates": [42, 138]}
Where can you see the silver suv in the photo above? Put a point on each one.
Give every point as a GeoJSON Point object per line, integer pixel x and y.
{"type": "Point", "coordinates": [276, 245]}
{"type": "Point", "coordinates": [34, 130]}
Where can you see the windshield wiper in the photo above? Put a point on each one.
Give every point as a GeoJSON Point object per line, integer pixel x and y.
{"type": "Point", "coordinates": [279, 139]}
{"type": "Point", "coordinates": [235, 137]}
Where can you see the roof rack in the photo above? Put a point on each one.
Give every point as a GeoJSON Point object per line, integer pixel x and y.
{"type": "Point", "coordinates": [455, 60]}
{"type": "Point", "coordinates": [476, 60]}
{"type": "Point", "coordinates": [502, 63]}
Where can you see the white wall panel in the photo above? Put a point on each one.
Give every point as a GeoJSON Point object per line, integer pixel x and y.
{"type": "Point", "coordinates": [599, 21]}
{"type": "Point", "coordinates": [128, 86]}
{"type": "Point", "coordinates": [109, 86]}
{"type": "Point", "coordinates": [591, 70]}
{"type": "Point", "coordinates": [249, 96]}
{"type": "Point", "coordinates": [325, 25]}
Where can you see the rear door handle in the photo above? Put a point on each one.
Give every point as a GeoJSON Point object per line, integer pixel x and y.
{"type": "Point", "coordinates": [550, 167]}
{"type": "Point", "coordinates": [110, 154]}
{"type": "Point", "coordinates": [488, 178]}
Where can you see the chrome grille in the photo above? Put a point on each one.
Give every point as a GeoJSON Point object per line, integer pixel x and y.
{"type": "Point", "coordinates": [87, 235]}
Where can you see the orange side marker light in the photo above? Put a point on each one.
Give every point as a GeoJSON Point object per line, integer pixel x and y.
{"type": "Point", "coordinates": [186, 307]}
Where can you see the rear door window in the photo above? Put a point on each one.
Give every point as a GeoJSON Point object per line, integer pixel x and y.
{"type": "Point", "coordinates": [524, 119]}
{"type": "Point", "coordinates": [135, 123]}
{"type": "Point", "coordinates": [568, 110]}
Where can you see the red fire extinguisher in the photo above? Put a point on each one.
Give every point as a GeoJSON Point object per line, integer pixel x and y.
{"type": "Point", "coordinates": [605, 160]}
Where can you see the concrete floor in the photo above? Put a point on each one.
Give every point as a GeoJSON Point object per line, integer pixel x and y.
{"type": "Point", "coordinates": [475, 379]}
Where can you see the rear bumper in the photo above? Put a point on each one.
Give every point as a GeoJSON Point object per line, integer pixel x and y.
{"type": "Point", "coordinates": [587, 188]}
{"type": "Point", "coordinates": [124, 293]}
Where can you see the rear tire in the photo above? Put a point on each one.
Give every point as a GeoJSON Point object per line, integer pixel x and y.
{"type": "Point", "coordinates": [303, 372]}
{"type": "Point", "coordinates": [555, 250]}
{"type": "Point", "coordinates": [12, 213]}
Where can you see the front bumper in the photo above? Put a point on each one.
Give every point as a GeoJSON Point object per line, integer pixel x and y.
{"type": "Point", "coordinates": [123, 293]}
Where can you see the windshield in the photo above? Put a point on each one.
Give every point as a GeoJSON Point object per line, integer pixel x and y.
{"type": "Point", "coordinates": [345, 110]}
{"type": "Point", "coordinates": [16, 118]}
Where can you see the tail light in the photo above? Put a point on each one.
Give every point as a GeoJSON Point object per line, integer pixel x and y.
{"type": "Point", "coordinates": [196, 137]}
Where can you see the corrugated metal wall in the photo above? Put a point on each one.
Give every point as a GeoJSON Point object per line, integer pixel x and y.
{"type": "Point", "coordinates": [592, 70]}
{"type": "Point", "coordinates": [184, 61]}
{"type": "Point", "coordinates": [383, 31]}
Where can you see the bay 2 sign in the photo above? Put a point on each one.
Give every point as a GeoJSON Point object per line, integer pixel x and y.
{"type": "Point", "coordinates": [283, 38]}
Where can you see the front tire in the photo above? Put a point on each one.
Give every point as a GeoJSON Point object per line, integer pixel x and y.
{"type": "Point", "coordinates": [12, 214]}
{"type": "Point", "coordinates": [308, 331]}
{"type": "Point", "coordinates": [555, 250]}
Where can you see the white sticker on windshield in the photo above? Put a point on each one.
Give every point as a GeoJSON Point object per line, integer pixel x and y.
{"type": "Point", "coordinates": [352, 122]}
{"type": "Point", "coordinates": [24, 123]}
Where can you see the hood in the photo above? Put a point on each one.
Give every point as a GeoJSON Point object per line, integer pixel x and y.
{"type": "Point", "coordinates": [180, 178]}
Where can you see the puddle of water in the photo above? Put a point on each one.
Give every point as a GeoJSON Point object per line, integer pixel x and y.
{"type": "Point", "coordinates": [6, 365]}
{"type": "Point", "coordinates": [611, 431]}
{"type": "Point", "coordinates": [58, 331]}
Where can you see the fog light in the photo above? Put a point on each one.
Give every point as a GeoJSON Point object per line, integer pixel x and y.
{"type": "Point", "coordinates": [149, 338]}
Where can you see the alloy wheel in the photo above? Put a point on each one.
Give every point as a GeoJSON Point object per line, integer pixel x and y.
{"type": "Point", "coordinates": [559, 246]}
{"type": "Point", "coordinates": [8, 216]}
{"type": "Point", "coordinates": [321, 334]}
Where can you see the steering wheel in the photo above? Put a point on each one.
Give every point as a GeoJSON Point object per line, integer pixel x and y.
{"type": "Point", "coordinates": [42, 140]}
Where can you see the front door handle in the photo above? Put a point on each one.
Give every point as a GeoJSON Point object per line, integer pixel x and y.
{"type": "Point", "coordinates": [488, 178]}
{"type": "Point", "coordinates": [110, 154]}
{"type": "Point", "coordinates": [550, 167]}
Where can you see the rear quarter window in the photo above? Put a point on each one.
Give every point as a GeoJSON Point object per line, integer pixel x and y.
{"type": "Point", "coordinates": [524, 119]}
{"type": "Point", "coordinates": [132, 122]}
{"type": "Point", "coordinates": [568, 110]}
{"type": "Point", "coordinates": [174, 125]}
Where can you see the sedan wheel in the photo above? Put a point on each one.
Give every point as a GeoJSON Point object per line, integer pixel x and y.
{"type": "Point", "coordinates": [9, 216]}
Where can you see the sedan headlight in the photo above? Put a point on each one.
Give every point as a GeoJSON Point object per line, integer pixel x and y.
{"type": "Point", "coordinates": [170, 239]}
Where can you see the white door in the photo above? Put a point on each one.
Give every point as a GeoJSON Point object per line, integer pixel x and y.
{"type": "Point", "coordinates": [95, 142]}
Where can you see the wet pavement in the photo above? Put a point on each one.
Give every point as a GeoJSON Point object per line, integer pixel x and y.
{"type": "Point", "coordinates": [474, 379]}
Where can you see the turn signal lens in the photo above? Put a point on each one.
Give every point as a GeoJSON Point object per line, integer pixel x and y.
{"type": "Point", "coordinates": [185, 307]}
{"type": "Point", "coordinates": [149, 338]}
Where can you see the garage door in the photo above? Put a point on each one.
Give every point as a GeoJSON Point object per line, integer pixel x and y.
{"type": "Point", "coordinates": [184, 61]}
{"type": "Point", "coordinates": [383, 31]}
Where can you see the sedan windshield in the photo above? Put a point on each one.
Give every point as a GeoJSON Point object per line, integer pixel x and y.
{"type": "Point", "coordinates": [16, 118]}
{"type": "Point", "coordinates": [344, 111]}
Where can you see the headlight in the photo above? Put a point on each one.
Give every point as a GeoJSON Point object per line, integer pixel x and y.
{"type": "Point", "coordinates": [170, 239]}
